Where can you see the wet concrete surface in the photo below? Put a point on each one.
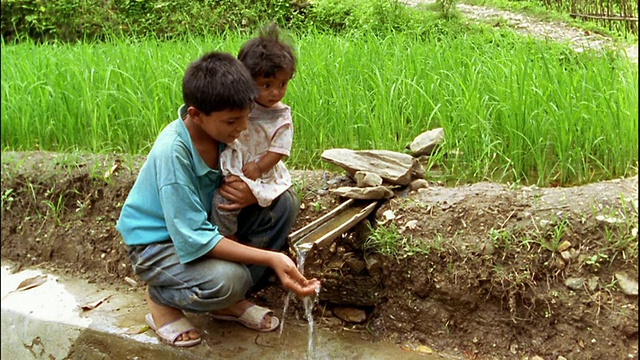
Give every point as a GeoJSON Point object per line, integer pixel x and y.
{"type": "Point", "coordinates": [48, 322]}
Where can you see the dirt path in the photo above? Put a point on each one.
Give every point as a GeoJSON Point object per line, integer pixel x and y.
{"type": "Point", "coordinates": [579, 39]}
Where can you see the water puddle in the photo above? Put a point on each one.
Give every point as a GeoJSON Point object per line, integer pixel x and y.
{"type": "Point", "coordinates": [103, 332]}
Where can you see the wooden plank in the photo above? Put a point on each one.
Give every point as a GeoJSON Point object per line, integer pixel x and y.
{"type": "Point", "coordinates": [605, 17]}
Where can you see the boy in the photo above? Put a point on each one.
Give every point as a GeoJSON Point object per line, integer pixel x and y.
{"type": "Point", "coordinates": [173, 247]}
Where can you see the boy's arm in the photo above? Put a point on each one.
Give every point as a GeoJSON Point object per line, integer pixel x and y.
{"type": "Point", "coordinates": [237, 192]}
{"type": "Point", "coordinates": [284, 267]}
{"type": "Point", "coordinates": [254, 170]}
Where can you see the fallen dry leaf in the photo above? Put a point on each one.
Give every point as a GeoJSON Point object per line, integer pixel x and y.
{"type": "Point", "coordinates": [116, 165]}
{"type": "Point", "coordinates": [137, 329]}
{"type": "Point", "coordinates": [424, 349]}
{"type": "Point", "coordinates": [130, 281]}
{"type": "Point", "coordinates": [27, 284]}
{"type": "Point", "coordinates": [95, 304]}
{"type": "Point", "coordinates": [32, 282]}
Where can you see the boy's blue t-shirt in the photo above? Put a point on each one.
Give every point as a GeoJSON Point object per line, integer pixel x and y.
{"type": "Point", "coordinates": [171, 198]}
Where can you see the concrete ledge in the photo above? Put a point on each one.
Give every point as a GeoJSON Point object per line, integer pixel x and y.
{"type": "Point", "coordinates": [48, 322]}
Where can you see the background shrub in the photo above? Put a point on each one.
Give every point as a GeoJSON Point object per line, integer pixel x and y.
{"type": "Point", "coordinates": [72, 20]}
{"type": "Point", "coordinates": [87, 20]}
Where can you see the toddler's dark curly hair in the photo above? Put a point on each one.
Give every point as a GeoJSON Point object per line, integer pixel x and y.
{"type": "Point", "coordinates": [267, 54]}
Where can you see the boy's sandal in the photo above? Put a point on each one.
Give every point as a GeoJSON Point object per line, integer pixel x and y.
{"type": "Point", "coordinates": [171, 331]}
{"type": "Point", "coordinates": [252, 318]}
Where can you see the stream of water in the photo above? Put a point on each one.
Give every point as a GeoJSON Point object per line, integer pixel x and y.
{"type": "Point", "coordinates": [308, 301]}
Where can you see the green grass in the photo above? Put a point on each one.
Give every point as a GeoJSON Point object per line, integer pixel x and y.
{"type": "Point", "coordinates": [513, 109]}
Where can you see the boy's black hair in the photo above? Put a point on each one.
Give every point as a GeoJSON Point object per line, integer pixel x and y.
{"type": "Point", "coordinates": [267, 54]}
{"type": "Point", "coordinates": [218, 81]}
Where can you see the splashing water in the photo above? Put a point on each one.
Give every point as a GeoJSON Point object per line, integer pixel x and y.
{"type": "Point", "coordinates": [307, 301]}
{"type": "Point", "coordinates": [284, 312]}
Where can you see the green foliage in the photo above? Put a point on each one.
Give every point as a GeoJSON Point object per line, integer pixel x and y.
{"type": "Point", "coordinates": [84, 20]}
{"type": "Point", "coordinates": [447, 8]}
{"type": "Point", "coordinates": [88, 20]}
{"type": "Point", "coordinates": [7, 198]}
{"type": "Point", "coordinates": [72, 20]}
{"type": "Point", "coordinates": [371, 16]}
{"type": "Point", "coordinates": [43, 20]}
{"type": "Point", "coordinates": [553, 237]}
{"type": "Point", "coordinates": [386, 239]}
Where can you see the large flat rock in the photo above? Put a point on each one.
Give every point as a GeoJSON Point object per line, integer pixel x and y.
{"type": "Point", "coordinates": [393, 167]}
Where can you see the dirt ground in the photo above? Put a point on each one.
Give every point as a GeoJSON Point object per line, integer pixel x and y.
{"type": "Point", "coordinates": [483, 270]}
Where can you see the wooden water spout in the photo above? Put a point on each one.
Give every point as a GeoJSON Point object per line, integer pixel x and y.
{"type": "Point", "coordinates": [321, 232]}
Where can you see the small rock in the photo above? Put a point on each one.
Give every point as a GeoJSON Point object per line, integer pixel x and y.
{"type": "Point", "coordinates": [410, 225]}
{"type": "Point", "coordinates": [331, 321]}
{"type": "Point", "coordinates": [356, 264]}
{"type": "Point", "coordinates": [373, 264]}
{"type": "Point", "coordinates": [627, 286]}
{"type": "Point", "coordinates": [366, 193]}
{"type": "Point", "coordinates": [388, 215]}
{"type": "Point", "coordinates": [574, 283]}
{"type": "Point", "coordinates": [559, 264]}
{"type": "Point", "coordinates": [609, 219]}
{"type": "Point", "coordinates": [350, 314]}
{"type": "Point", "coordinates": [564, 246]}
{"type": "Point", "coordinates": [487, 247]}
{"type": "Point", "coordinates": [418, 184]}
{"type": "Point", "coordinates": [425, 143]}
{"type": "Point", "coordinates": [574, 253]}
{"type": "Point", "coordinates": [366, 179]}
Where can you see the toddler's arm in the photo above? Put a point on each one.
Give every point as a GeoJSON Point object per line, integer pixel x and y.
{"type": "Point", "coordinates": [254, 170]}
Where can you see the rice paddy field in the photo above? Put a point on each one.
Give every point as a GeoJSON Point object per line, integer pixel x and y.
{"type": "Point", "coordinates": [513, 109]}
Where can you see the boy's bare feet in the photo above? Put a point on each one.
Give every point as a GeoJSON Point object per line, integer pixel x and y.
{"type": "Point", "coordinates": [163, 314]}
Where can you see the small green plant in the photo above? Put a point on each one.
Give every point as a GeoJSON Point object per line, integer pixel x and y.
{"type": "Point", "coordinates": [551, 241]}
{"type": "Point", "coordinates": [387, 240]}
{"type": "Point", "coordinates": [7, 199]}
{"type": "Point", "coordinates": [34, 199]}
{"type": "Point", "coordinates": [82, 206]}
{"type": "Point", "coordinates": [620, 233]}
{"type": "Point", "coordinates": [318, 206]}
{"type": "Point", "coordinates": [56, 208]}
{"type": "Point", "coordinates": [595, 260]}
{"type": "Point", "coordinates": [383, 239]}
{"type": "Point", "coordinates": [500, 238]}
